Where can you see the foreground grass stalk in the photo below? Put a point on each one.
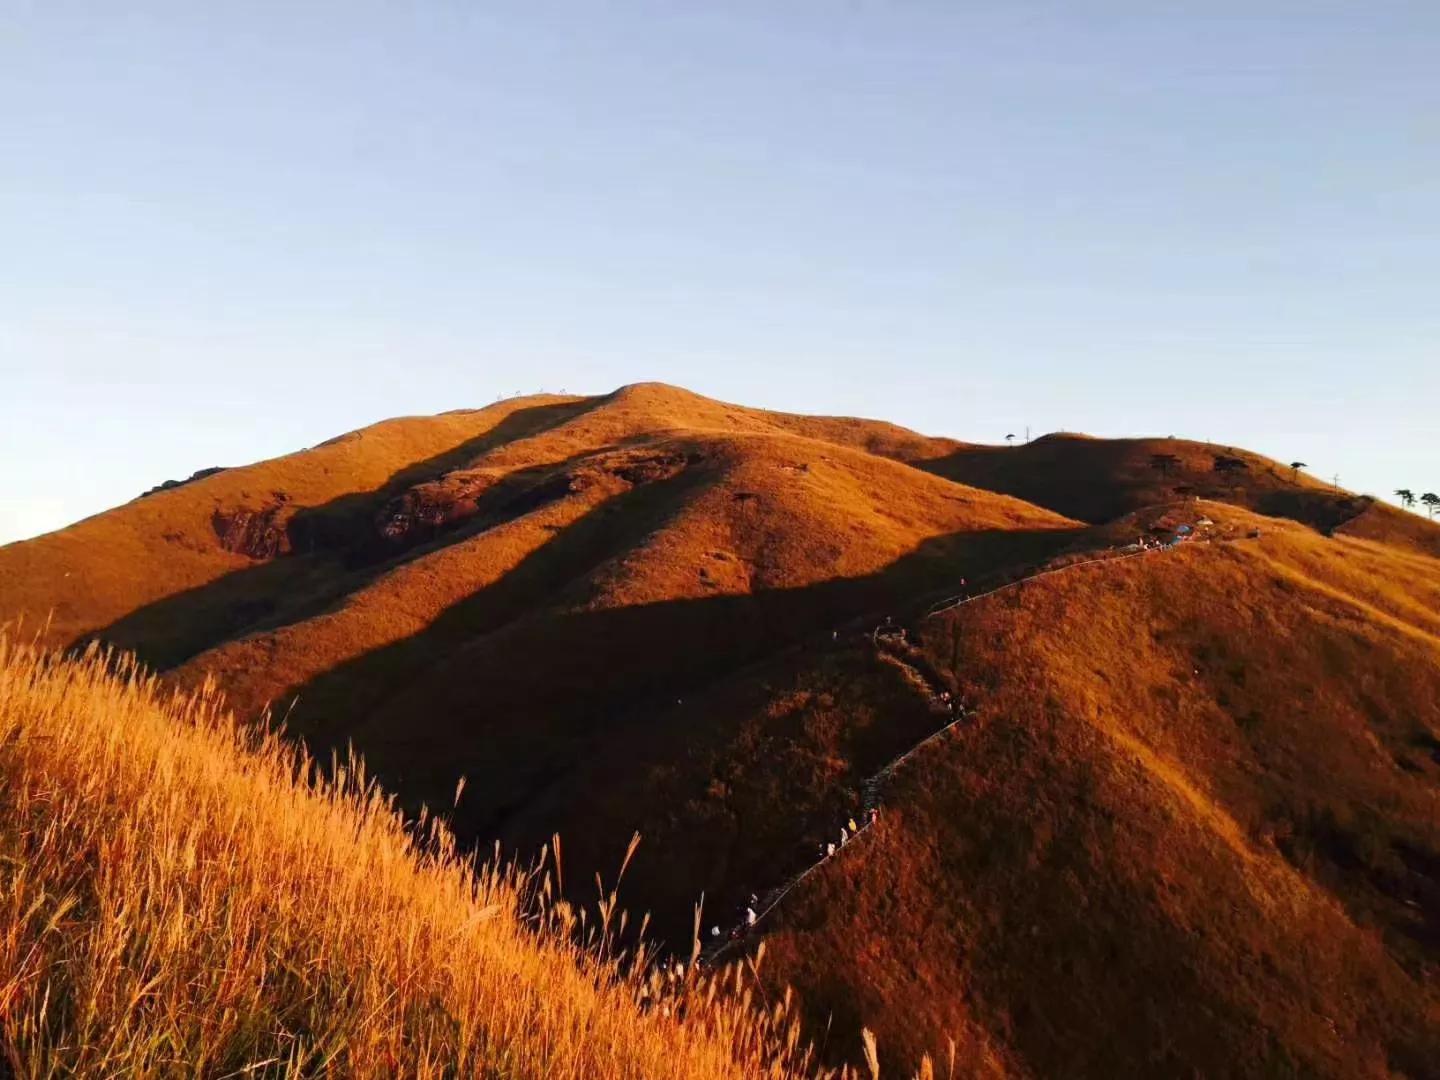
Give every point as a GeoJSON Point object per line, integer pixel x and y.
{"type": "Point", "coordinates": [183, 895]}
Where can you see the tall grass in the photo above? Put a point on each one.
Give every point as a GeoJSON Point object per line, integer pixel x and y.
{"type": "Point", "coordinates": [182, 895]}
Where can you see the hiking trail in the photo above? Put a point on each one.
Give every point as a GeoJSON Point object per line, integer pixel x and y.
{"type": "Point", "coordinates": [893, 646]}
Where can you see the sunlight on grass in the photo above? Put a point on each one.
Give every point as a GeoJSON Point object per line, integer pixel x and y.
{"type": "Point", "coordinates": [184, 895]}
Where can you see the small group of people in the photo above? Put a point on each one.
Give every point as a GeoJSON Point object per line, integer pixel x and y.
{"type": "Point", "coordinates": [848, 832]}
{"type": "Point", "coordinates": [1181, 534]}
{"type": "Point", "coordinates": [747, 920]}
{"type": "Point", "coordinates": [1153, 543]}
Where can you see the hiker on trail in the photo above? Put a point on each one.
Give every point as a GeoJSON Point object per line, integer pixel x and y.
{"type": "Point", "coordinates": [874, 814]}
{"type": "Point", "coordinates": [749, 916]}
{"type": "Point", "coordinates": [754, 899]}
{"type": "Point", "coordinates": [843, 836]}
{"type": "Point", "coordinates": [714, 931]}
{"type": "Point", "coordinates": [853, 829]}
{"type": "Point", "coordinates": [829, 850]}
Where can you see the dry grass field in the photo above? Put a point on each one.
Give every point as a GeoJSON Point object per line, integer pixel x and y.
{"type": "Point", "coordinates": [1188, 821]}
{"type": "Point", "coordinates": [181, 895]}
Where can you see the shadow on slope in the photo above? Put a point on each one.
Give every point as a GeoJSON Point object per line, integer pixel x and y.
{"type": "Point", "coordinates": [329, 549]}
{"type": "Point", "coordinates": [567, 719]}
{"type": "Point", "coordinates": [1100, 878]}
{"type": "Point", "coordinates": [1098, 480]}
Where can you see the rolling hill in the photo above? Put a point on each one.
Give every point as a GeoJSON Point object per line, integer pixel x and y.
{"type": "Point", "coordinates": [1172, 810]}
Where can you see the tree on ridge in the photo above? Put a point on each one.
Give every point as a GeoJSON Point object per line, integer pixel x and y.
{"type": "Point", "coordinates": [1229, 469]}
{"type": "Point", "coordinates": [1164, 463]}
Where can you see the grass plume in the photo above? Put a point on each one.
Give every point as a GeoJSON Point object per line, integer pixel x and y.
{"type": "Point", "coordinates": [181, 894]}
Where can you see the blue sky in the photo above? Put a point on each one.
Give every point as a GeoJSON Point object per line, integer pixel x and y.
{"type": "Point", "coordinates": [228, 231]}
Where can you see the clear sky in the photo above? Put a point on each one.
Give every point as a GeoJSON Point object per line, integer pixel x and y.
{"type": "Point", "coordinates": [232, 230]}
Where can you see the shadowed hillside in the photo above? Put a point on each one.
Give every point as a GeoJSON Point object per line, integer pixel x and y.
{"type": "Point", "coordinates": [1098, 480]}
{"type": "Point", "coordinates": [1183, 813]}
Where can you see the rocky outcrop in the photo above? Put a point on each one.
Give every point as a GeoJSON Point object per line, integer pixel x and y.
{"type": "Point", "coordinates": [168, 484]}
{"type": "Point", "coordinates": [426, 510]}
{"type": "Point", "coordinates": [259, 534]}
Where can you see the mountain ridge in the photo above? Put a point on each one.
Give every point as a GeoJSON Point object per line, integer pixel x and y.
{"type": "Point", "coordinates": [650, 611]}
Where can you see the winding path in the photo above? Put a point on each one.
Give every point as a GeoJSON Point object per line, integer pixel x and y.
{"type": "Point", "coordinates": [890, 640]}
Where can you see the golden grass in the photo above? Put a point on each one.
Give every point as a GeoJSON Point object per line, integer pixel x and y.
{"type": "Point", "coordinates": [181, 895]}
{"type": "Point", "coordinates": [1208, 771]}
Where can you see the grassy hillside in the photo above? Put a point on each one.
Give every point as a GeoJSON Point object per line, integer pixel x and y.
{"type": "Point", "coordinates": [181, 896]}
{"type": "Point", "coordinates": [193, 565]}
{"type": "Point", "coordinates": [1187, 823]}
{"type": "Point", "coordinates": [1192, 825]}
{"type": "Point", "coordinates": [549, 598]}
{"type": "Point", "coordinates": [512, 655]}
{"type": "Point", "coordinates": [1098, 480]}
{"type": "Point", "coordinates": [214, 533]}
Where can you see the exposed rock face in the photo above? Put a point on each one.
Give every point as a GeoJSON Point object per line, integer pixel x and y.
{"type": "Point", "coordinates": [428, 509]}
{"type": "Point", "coordinates": [260, 534]}
{"type": "Point", "coordinates": [651, 467]}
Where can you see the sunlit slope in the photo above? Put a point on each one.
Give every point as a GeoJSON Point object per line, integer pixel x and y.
{"type": "Point", "coordinates": [1192, 821]}
{"type": "Point", "coordinates": [1194, 825]}
{"type": "Point", "coordinates": [179, 897]}
{"type": "Point", "coordinates": [605, 587]}
{"type": "Point", "coordinates": [1397, 528]}
{"type": "Point", "coordinates": [186, 568]}
{"type": "Point", "coordinates": [278, 512]}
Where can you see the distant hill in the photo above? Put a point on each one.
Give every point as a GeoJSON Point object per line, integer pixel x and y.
{"type": "Point", "coordinates": [1184, 820]}
{"type": "Point", "coordinates": [1097, 480]}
